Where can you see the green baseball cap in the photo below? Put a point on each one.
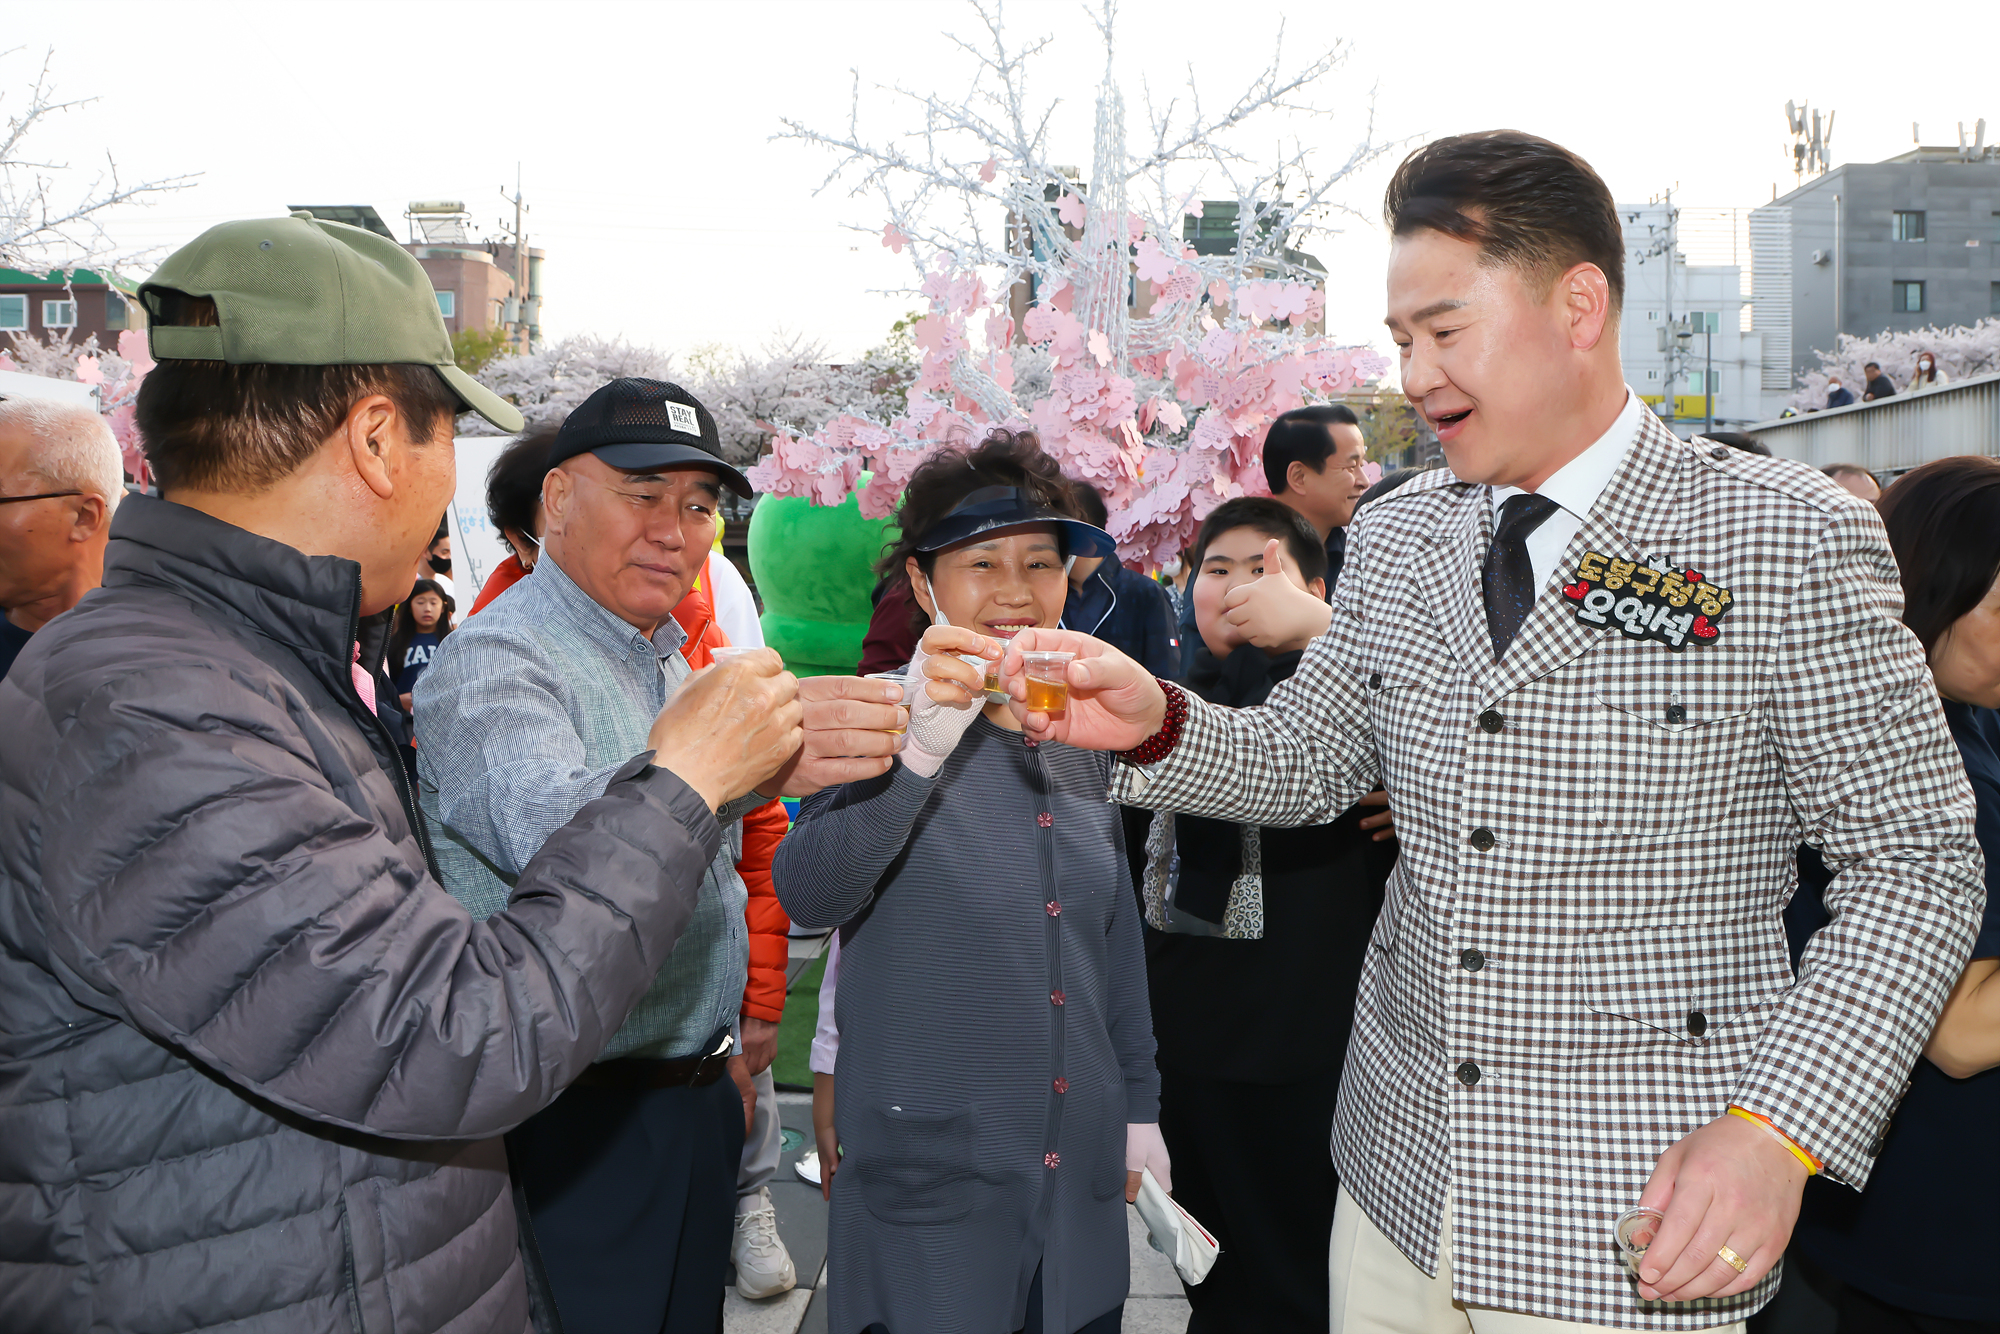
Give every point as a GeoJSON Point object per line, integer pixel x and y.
{"type": "Point", "coordinates": [298, 291]}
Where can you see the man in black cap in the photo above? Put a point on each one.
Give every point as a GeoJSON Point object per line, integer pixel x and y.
{"type": "Point", "coordinates": [525, 714]}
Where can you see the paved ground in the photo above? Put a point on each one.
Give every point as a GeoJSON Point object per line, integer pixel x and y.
{"type": "Point", "coordinates": [1156, 1305]}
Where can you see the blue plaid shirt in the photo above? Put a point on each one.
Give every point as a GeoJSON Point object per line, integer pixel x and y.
{"type": "Point", "coordinates": [524, 715]}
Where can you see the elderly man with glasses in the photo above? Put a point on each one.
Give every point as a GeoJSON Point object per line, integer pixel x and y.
{"type": "Point", "coordinates": [60, 478]}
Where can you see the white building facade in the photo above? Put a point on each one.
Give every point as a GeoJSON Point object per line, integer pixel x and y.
{"type": "Point", "coordinates": [1712, 376]}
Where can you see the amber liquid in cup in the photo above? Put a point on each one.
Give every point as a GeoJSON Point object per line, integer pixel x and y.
{"type": "Point", "coordinates": [1047, 696]}
{"type": "Point", "coordinates": [1048, 680]}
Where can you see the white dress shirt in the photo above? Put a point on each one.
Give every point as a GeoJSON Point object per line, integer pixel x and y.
{"type": "Point", "coordinates": [1575, 486]}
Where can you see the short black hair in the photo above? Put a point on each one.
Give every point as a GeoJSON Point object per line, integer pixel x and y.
{"type": "Point", "coordinates": [1871, 365]}
{"type": "Point", "coordinates": [1272, 518]}
{"type": "Point", "coordinates": [1944, 526]}
{"type": "Point", "coordinates": [1302, 436]}
{"type": "Point", "coordinates": [1525, 202]}
{"type": "Point", "coordinates": [1090, 504]}
{"type": "Point", "coordinates": [514, 482]}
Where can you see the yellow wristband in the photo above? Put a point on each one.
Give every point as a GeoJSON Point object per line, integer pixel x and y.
{"type": "Point", "coordinates": [1762, 1123]}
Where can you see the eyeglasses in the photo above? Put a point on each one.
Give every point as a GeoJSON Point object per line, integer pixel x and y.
{"type": "Point", "coordinates": [39, 495]}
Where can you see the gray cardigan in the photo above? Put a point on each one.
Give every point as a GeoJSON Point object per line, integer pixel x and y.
{"type": "Point", "coordinates": [995, 1036]}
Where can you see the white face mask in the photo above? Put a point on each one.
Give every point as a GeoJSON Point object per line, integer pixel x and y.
{"type": "Point", "coordinates": [1172, 568]}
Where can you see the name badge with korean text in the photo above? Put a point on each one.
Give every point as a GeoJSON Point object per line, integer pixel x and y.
{"type": "Point", "coordinates": [1675, 608]}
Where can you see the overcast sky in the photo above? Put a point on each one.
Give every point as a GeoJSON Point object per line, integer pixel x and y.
{"type": "Point", "coordinates": [642, 132]}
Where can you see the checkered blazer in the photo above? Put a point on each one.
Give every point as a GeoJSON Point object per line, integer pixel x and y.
{"type": "Point", "coordinates": [1581, 956]}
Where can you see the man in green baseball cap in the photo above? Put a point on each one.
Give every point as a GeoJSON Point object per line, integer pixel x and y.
{"type": "Point", "coordinates": [255, 1060]}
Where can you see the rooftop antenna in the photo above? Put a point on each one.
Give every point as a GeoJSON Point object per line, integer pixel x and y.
{"type": "Point", "coordinates": [1795, 124]}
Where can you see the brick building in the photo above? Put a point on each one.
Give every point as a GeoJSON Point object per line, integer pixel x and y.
{"type": "Point", "coordinates": [86, 302]}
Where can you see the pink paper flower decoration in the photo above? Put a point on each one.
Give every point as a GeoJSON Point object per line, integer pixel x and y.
{"type": "Point", "coordinates": [1070, 209]}
{"type": "Point", "coordinates": [989, 169]}
{"type": "Point", "coordinates": [895, 238]}
{"type": "Point", "coordinates": [1154, 264]}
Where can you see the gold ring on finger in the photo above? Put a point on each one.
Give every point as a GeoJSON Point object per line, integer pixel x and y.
{"type": "Point", "coordinates": [1733, 1260]}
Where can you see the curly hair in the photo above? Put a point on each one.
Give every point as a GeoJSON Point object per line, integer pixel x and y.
{"type": "Point", "coordinates": [940, 482]}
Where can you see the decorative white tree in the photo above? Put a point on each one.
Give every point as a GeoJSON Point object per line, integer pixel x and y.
{"type": "Point", "coordinates": [1139, 333]}
{"type": "Point", "coordinates": [44, 228]}
{"type": "Point", "coordinates": [1961, 351]}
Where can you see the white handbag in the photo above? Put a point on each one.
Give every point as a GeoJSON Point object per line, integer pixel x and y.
{"type": "Point", "coordinates": [1174, 1231]}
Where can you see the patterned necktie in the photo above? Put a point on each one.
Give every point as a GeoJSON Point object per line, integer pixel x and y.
{"type": "Point", "coordinates": [1507, 579]}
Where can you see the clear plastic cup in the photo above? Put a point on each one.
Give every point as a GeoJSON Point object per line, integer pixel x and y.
{"type": "Point", "coordinates": [727, 652]}
{"type": "Point", "coordinates": [909, 686]}
{"type": "Point", "coordinates": [1048, 679]}
{"type": "Point", "coordinates": [989, 669]}
{"type": "Point", "coordinates": [1634, 1231]}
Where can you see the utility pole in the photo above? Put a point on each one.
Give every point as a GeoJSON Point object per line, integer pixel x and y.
{"type": "Point", "coordinates": [1667, 315]}
{"type": "Point", "coordinates": [1708, 376]}
{"type": "Point", "coordinates": [514, 313]}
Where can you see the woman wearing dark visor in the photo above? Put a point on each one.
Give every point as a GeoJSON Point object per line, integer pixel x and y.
{"type": "Point", "coordinates": [995, 1095]}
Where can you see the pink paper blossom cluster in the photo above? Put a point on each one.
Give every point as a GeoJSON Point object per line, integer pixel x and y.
{"type": "Point", "coordinates": [115, 374]}
{"type": "Point", "coordinates": [1166, 439]}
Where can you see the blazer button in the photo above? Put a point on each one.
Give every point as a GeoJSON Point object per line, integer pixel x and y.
{"type": "Point", "coordinates": [1374, 680]}
{"type": "Point", "coordinates": [1471, 961]}
{"type": "Point", "coordinates": [1491, 721]}
{"type": "Point", "coordinates": [1697, 1023]}
{"type": "Point", "coordinates": [1468, 1073]}
{"type": "Point", "coordinates": [1483, 839]}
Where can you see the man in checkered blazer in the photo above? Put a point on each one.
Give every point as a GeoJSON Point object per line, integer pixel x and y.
{"type": "Point", "coordinates": [1611, 680]}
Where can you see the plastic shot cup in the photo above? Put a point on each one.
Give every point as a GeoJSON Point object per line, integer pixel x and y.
{"type": "Point", "coordinates": [909, 685]}
{"type": "Point", "coordinates": [1634, 1231]}
{"type": "Point", "coordinates": [989, 669]}
{"type": "Point", "coordinates": [1048, 679]}
{"type": "Point", "coordinates": [728, 653]}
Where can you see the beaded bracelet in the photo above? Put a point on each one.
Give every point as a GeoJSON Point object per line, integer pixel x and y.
{"type": "Point", "coordinates": [1159, 745]}
{"type": "Point", "coordinates": [1764, 1123]}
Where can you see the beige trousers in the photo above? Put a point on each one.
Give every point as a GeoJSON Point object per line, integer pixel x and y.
{"type": "Point", "coordinates": [1376, 1290]}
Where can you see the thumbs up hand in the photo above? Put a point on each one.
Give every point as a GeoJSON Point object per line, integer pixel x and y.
{"type": "Point", "coordinates": [1271, 611]}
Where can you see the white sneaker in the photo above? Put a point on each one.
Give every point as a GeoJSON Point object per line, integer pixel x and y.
{"type": "Point", "coordinates": [808, 1167]}
{"type": "Point", "coordinates": [763, 1265]}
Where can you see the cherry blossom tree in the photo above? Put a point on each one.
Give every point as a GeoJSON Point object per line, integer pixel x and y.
{"type": "Point", "coordinates": [551, 380]}
{"type": "Point", "coordinates": [1961, 351]}
{"type": "Point", "coordinates": [790, 385]}
{"type": "Point", "coordinates": [1144, 366]}
{"type": "Point", "coordinates": [49, 218]}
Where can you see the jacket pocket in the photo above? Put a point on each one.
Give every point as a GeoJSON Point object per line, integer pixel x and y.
{"type": "Point", "coordinates": [1667, 738]}
{"type": "Point", "coordinates": [1695, 983]}
{"type": "Point", "coordinates": [913, 1166]}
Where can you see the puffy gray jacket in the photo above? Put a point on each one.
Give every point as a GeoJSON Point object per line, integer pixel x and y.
{"type": "Point", "coordinates": [253, 1058]}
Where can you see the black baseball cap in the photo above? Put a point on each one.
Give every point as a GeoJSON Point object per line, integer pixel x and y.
{"type": "Point", "coordinates": [637, 425]}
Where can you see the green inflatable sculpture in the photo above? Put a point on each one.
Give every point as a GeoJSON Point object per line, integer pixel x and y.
{"type": "Point", "coordinates": [815, 567]}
